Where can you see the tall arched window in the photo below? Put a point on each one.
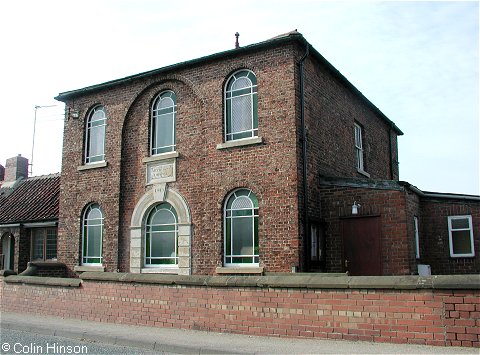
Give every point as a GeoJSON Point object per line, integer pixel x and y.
{"type": "Point", "coordinates": [95, 135]}
{"type": "Point", "coordinates": [241, 228]}
{"type": "Point", "coordinates": [161, 234]}
{"type": "Point", "coordinates": [241, 119]}
{"type": "Point", "coordinates": [164, 110]}
{"type": "Point", "coordinates": [92, 239]}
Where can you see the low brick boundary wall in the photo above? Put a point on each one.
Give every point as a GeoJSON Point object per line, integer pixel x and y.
{"type": "Point", "coordinates": [436, 310]}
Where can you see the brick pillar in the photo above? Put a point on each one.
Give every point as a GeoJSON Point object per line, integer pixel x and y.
{"type": "Point", "coordinates": [15, 168]}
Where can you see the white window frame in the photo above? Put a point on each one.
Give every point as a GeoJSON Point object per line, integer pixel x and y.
{"type": "Point", "coordinates": [229, 96]}
{"type": "Point", "coordinates": [155, 115]}
{"type": "Point", "coordinates": [228, 255]}
{"type": "Point", "coordinates": [359, 159]}
{"type": "Point", "coordinates": [88, 135]}
{"type": "Point", "coordinates": [85, 236]}
{"type": "Point", "coordinates": [451, 231]}
{"type": "Point", "coordinates": [417, 237]}
{"type": "Point", "coordinates": [147, 259]}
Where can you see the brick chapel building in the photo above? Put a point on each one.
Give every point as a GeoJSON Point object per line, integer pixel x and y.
{"type": "Point", "coordinates": [259, 159]}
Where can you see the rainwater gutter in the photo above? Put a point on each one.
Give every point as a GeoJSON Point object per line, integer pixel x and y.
{"type": "Point", "coordinates": [390, 151]}
{"type": "Point", "coordinates": [304, 146]}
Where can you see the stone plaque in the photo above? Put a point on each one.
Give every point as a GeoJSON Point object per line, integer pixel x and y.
{"type": "Point", "coordinates": [161, 172]}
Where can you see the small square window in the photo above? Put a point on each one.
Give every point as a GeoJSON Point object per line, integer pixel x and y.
{"type": "Point", "coordinates": [460, 233]}
{"type": "Point", "coordinates": [44, 244]}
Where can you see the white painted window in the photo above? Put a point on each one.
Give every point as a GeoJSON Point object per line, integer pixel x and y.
{"type": "Point", "coordinates": [417, 237]}
{"type": "Point", "coordinates": [460, 234]}
{"type": "Point", "coordinates": [92, 238]}
{"type": "Point", "coordinates": [241, 229]}
{"type": "Point", "coordinates": [95, 136]}
{"type": "Point", "coordinates": [162, 135]}
{"type": "Point", "coordinates": [241, 106]}
{"type": "Point", "coordinates": [359, 147]}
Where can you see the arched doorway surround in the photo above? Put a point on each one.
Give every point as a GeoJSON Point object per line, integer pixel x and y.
{"type": "Point", "coordinates": [156, 194]}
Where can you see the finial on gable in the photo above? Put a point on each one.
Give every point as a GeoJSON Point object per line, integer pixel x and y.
{"type": "Point", "coordinates": [236, 39]}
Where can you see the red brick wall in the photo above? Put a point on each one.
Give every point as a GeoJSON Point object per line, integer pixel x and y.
{"type": "Point", "coordinates": [331, 109]}
{"type": "Point", "coordinates": [432, 317]}
{"type": "Point", "coordinates": [205, 175]}
{"type": "Point", "coordinates": [462, 318]}
{"type": "Point", "coordinates": [435, 240]}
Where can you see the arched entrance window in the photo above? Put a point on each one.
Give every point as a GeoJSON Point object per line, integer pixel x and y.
{"type": "Point", "coordinates": [161, 234]}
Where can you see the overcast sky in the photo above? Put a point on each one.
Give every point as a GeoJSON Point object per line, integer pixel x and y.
{"type": "Point", "coordinates": [416, 61]}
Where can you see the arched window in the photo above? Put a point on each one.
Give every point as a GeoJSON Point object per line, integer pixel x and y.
{"type": "Point", "coordinates": [241, 228]}
{"type": "Point", "coordinates": [164, 110]}
{"type": "Point", "coordinates": [95, 135]}
{"type": "Point", "coordinates": [241, 119]}
{"type": "Point", "coordinates": [161, 234]}
{"type": "Point", "coordinates": [92, 235]}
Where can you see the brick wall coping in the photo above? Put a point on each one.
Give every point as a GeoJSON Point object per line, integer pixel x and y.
{"type": "Point", "coordinates": [47, 281]}
{"type": "Point", "coordinates": [308, 281]}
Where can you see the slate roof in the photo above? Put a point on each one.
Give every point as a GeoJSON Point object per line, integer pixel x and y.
{"type": "Point", "coordinates": [292, 36]}
{"type": "Point", "coordinates": [35, 199]}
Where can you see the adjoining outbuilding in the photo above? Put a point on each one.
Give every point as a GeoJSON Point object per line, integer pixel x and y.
{"type": "Point", "coordinates": [28, 220]}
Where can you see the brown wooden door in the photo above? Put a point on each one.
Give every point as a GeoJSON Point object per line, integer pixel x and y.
{"type": "Point", "coordinates": [362, 254]}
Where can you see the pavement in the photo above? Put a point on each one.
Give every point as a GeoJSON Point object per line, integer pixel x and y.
{"type": "Point", "coordinates": [180, 341]}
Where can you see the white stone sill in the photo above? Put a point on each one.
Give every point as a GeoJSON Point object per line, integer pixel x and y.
{"type": "Point", "coordinates": [240, 143]}
{"type": "Point", "coordinates": [90, 166]}
{"type": "Point", "coordinates": [163, 156]}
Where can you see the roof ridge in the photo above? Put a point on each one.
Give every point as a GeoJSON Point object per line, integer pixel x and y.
{"type": "Point", "coordinates": [286, 34]}
{"type": "Point", "coordinates": [47, 176]}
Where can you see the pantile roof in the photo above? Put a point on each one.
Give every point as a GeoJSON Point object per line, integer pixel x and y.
{"type": "Point", "coordinates": [34, 199]}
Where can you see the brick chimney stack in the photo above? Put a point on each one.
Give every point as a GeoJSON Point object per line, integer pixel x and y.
{"type": "Point", "coordinates": [15, 168]}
